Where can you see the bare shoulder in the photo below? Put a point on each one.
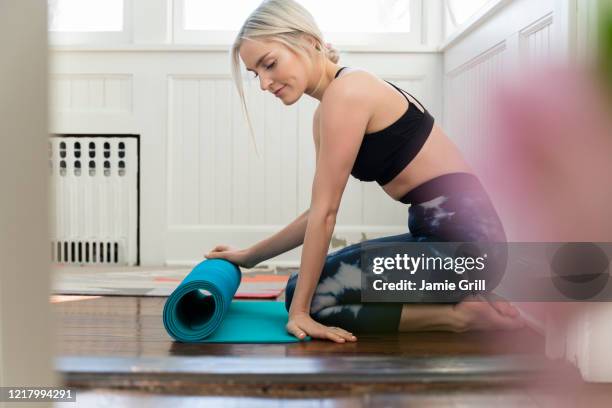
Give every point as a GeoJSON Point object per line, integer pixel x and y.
{"type": "Point", "coordinates": [355, 86]}
{"type": "Point", "coordinates": [350, 98]}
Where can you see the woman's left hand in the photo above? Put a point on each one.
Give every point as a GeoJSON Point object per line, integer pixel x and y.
{"type": "Point", "coordinates": [302, 325]}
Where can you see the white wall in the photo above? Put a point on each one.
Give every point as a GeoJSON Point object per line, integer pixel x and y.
{"type": "Point", "coordinates": [506, 39]}
{"type": "Point", "coordinates": [474, 61]}
{"type": "Point", "coordinates": [201, 181]}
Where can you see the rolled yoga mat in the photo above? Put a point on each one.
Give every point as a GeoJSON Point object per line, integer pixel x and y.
{"type": "Point", "coordinates": [201, 310]}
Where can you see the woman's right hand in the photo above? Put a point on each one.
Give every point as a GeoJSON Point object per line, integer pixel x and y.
{"type": "Point", "coordinates": [240, 257]}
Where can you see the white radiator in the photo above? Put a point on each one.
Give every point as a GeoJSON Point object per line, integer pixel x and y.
{"type": "Point", "coordinates": [94, 199]}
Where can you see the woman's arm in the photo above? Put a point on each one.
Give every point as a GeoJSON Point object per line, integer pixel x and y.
{"type": "Point", "coordinates": [285, 240]}
{"type": "Point", "coordinates": [344, 118]}
{"type": "Point", "coordinates": [292, 236]}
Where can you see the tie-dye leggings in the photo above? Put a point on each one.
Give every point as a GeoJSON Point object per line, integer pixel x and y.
{"type": "Point", "coordinates": [452, 207]}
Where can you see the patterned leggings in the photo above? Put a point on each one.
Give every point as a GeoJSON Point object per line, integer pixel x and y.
{"type": "Point", "coordinates": [452, 207]}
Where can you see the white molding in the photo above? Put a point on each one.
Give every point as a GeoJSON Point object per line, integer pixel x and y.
{"type": "Point", "coordinates": [199, 76]}
{"type": "Point", "coordinates": [497, 48]}
{"type": "Point", "coordinates": [125, 92]}
{"type": "Point", "coordinates": [504, 25]}
{"type": "Point", "coordinates": [372, 49]}
{"type": "Point", "coordinates": [525, 34]}
{"type": "Point", "coordinates": [151, 21]}
{"type": "Point", "coordinates": [485, 13]}
{"type": "Point", "coordinates": [91, 75]}
{"type": "Point", "coordinates": [423, 24]}
{"type": "Point", "coordinates": [433, 17]}
{"type": "Point", "coordinates": [537, 25]}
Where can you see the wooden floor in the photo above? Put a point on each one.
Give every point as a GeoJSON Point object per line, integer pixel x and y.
{"type": "Point", "coordinates": [132, 327]}
{"type": "Point", "coordinates": [115, 350]}
{"type": "Point", "coordinates": [588, 396]}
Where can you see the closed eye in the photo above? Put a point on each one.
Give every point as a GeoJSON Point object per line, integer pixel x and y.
{"type": "Point", "coordinates": [268, 67]}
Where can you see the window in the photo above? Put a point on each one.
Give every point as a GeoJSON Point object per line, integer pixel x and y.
{"type": "Point", "coordinates": [378, 16]}
{"type": "Point", "coordinates": [219, 16]}
{"type": "Point", "coordinates": [343, 22]}
{"type": "Point", "coordinates": [88, 21]}
{"type": "Point", "coordinates": [85, 15]}
{"type": "Point", "coordinates": [459, 11]}
{"type": "Point", "coordinates": [367, 16]}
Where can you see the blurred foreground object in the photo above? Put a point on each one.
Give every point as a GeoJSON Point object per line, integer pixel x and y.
{"type": "Point", "coordinates": [605, 41]}
{"type": "Point", "coordinates": [548, 159]}
{"type": "Point", "coordinates": [548, 162]}
{"type": "Point", "coordinates": [26, 335]}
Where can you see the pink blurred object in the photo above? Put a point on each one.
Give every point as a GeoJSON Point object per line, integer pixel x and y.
{"type": "Point", "coordinates": [549, 156]}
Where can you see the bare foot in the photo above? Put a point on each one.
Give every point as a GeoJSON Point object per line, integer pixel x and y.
{"type": "Point", "coordinates": [502, 306]}
{"type": "Point", "coordinates": [476, 313]}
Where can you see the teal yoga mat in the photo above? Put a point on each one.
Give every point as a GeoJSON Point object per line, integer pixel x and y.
{"type": "Point", "coordinates": [201, 310]}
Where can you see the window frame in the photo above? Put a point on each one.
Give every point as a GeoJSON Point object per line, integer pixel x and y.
{"type": "Point", "coordinates": [452, 26]}
{"type": "Point", "coordinates": [365, 41]}
{"type": "Point", "coordinates": [97, 37]}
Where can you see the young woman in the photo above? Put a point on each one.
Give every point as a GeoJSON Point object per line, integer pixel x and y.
{"type": "Point", "coordinates": [371, 129]}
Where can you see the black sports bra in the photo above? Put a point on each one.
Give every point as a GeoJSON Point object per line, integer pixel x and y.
{"type": "Point", "coordinates": [385, 153]}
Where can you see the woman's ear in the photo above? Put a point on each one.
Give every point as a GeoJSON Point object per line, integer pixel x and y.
{"type": "Point", "coordinates": [312, 42]}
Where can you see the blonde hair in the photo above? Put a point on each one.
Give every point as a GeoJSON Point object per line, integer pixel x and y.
{"type": "Point", "coordinates": [287, 22]}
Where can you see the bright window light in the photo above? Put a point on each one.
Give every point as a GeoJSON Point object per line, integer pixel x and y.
{"type": "Point", "coordinates": [217, 16]}
{"type": "Point", "coordinates": [85, 15]}
{"type": "Point", "coordinates": [372, 16]}
{"type": "Point", "coordinates": [461, 10]}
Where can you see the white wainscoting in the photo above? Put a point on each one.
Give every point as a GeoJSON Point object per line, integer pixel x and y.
{"type": "Point", "coordinates": [536, 40]}
{"type": "Point", "coordinates": [96, 93]}
{"type": "Point", "coordinates": [201, 182]}
{"type": "Point", "coordinates": [217, 184]}
{"type": "Point", "coordinates": [466, 89]}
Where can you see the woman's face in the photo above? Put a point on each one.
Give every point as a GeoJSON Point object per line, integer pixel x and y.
{"type": "Point", "coordinates": [280, 70]}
